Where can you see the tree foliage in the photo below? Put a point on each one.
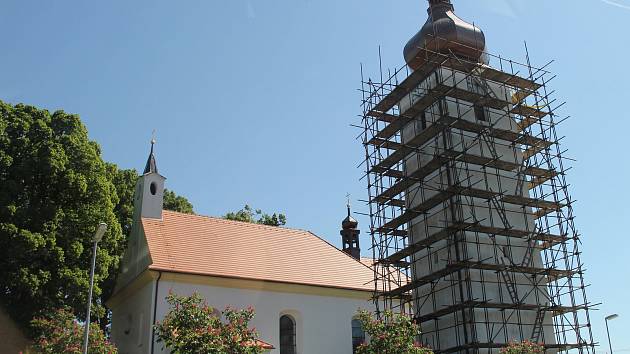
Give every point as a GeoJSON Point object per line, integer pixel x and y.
{"type": "Point", "coordinates": [394, 334]}
{"type": "Point", "coordinates": [59, 332]}
{"type": "Point", "coordinates": [525, 347]}
{"type": "Point", "coordinates": [192, 327]}
{"type": "Point", "coordinates": [247, 214]}
{"type": "Point", "coordinates": [54, 190]}
{"type": "Point", "coordinates": [177, 203]}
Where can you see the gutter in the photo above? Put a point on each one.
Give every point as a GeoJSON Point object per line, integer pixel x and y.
{"type": "Point", "coordinates": [157, 288]}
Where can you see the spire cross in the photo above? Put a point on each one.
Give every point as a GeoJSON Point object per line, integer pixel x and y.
{"type": "Point", "coordinates": [348, 202]}
{"type": "Point", "coordinates": [153, 141]}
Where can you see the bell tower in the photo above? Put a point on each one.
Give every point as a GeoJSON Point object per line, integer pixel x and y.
{"type": "Point", "coordinates": [149, 195]}
{"type": "Point", "coordinates": [471, 218]}
{"type": "Point", "coordinates": [350, 235]}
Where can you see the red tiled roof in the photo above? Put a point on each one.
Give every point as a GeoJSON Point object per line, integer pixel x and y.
{"type": "Point", "coordinates": [211, 246]}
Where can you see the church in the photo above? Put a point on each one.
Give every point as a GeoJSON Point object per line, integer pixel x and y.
{"type": "Point", "coordinates": [305, 291]}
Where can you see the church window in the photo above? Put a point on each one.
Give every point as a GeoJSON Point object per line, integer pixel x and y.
{"type": "Point", "coordinates": [481, 113]}
{"type": "Point", "coordinates": [287, 335]}
{"type": "Point", "coordinates": [153, 188]}
{"type": "Point", "coordinates": [358, 335]}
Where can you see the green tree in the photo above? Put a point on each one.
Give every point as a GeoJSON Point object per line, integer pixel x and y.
{"type": "Point", "coordinates": [247, 214]}
{"type": "Point", "coordinates": [177, 203]}
{"type": "Point", "coordinates": [59, 332]}
{"type": "Point", "coordinates": [54, 190]}
{"type": "Point", "coordinates": [393, 334]}
{"type": "Point", "coordinates": [192, 327]}
{"type": "Point", "coordinates": [124, 182]}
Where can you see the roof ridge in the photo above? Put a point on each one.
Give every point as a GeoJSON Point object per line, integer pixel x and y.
{"type": "Point", "coordinates": [245, 223]}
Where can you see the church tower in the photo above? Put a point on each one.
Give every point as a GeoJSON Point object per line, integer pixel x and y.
{"type": "Point", "coordinates": [148, 203]}
{"type": "Point", "coordinates": [149, 195]}
{"type": "Point", "coordinates": [350, 236]}
{"type": "Point", "coordinates": [472, 222]}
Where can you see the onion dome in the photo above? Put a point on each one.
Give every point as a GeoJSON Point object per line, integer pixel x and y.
{"type": "Point", "coordinates": [349, 222]}
{"type": "Point", "coordinates": [444, 33]}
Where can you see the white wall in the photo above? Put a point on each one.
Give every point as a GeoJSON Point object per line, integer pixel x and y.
{"type": "Point", "coordinates": [131, 321]}
{"type": "Point", "coordinates": [323, 322]}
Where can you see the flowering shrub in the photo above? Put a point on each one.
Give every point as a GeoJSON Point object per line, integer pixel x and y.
{"type": "Point", "coordinates": [61, 333]}
{"type": "Point", "coordinates": [193, 327]}
{"type": "Point", "coordinates": [394, 334]}
{"type": "Point", "coordinates": [525, 347]}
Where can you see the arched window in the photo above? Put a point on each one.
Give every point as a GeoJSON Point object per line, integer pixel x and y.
{"type": "Point", "coordinates": [287, 335]}
{"type": "Point", "coordinates": [358, 335]}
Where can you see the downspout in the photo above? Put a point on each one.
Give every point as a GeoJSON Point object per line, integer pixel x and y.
{"type": "Point", "coordinates": [157, 288]}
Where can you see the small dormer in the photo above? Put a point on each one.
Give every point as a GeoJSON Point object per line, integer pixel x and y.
{"type": "Point", "coordinates": [149, 195]}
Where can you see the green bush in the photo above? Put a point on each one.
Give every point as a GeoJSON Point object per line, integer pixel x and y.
{"type": "Point", "coordinates": [394, 334]}
{"type": "Point", "coordinates": [59, 332]}
{"type": "Point", "coordinates": [193, 327]}
{"type": "Point", "coordinates": [525, 347]}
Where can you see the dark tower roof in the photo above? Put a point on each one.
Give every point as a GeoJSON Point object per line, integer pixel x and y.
{"type": "Point", "coordinates": [444, 32]}
{"type": "Point", "coordinates": [151, 166]}
{"type": "Point", "coordinates": [349, 222]}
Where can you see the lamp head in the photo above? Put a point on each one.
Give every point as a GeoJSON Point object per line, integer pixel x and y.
{"type": "Point", "coordinates": [100, 231]}
{"type": "Point", "coordinates": [611, 317]}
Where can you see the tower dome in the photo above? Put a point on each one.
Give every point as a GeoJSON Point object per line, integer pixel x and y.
{"type": "Point", "coordinates": [444, 32]}
{"type": "Point", "coordinates": [349, 223]}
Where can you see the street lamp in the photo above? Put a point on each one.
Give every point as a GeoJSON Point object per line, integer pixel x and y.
{"type": "Point", "coordinates": [98, 236]}
{"type": "Point", "coordinates": [608, 318]}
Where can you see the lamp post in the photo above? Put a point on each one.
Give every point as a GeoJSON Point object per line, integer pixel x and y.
{"type": "Point", "coordinates": [98, 236]}
{"type": "Point", "coordinates": [608, 318]}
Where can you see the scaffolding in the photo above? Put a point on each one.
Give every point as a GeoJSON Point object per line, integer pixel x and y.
{"type": "Point", "coordinates": [472, 223]}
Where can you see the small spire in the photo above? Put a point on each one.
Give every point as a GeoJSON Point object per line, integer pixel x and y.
{"type": "Point", "coordinates": [151, 166]}
{"type": "Point", "coordinates": [348, 203]}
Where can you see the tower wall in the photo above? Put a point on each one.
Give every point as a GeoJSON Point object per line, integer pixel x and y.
{"type": "Point", "coordinates": [470, 285]}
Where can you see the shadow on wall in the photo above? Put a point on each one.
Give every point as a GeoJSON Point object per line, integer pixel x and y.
{"type": "Point", "coordinates": [13, 339]}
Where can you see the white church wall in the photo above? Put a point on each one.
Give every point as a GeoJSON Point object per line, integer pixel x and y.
{"type": "Point", "coordinates": [131, 319]}
{"type": "Point", "coordinates": [323, 323]}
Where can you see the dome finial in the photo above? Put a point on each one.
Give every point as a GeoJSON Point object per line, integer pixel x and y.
{"type": "Point", "coordinates": [349, 222]}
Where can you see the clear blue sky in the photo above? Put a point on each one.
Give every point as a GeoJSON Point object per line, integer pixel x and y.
{"type": "Point", "coordinates": [252, 100]}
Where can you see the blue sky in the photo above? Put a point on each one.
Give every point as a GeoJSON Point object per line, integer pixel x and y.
{"type": "Point", "coordinates": [252, 100]}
